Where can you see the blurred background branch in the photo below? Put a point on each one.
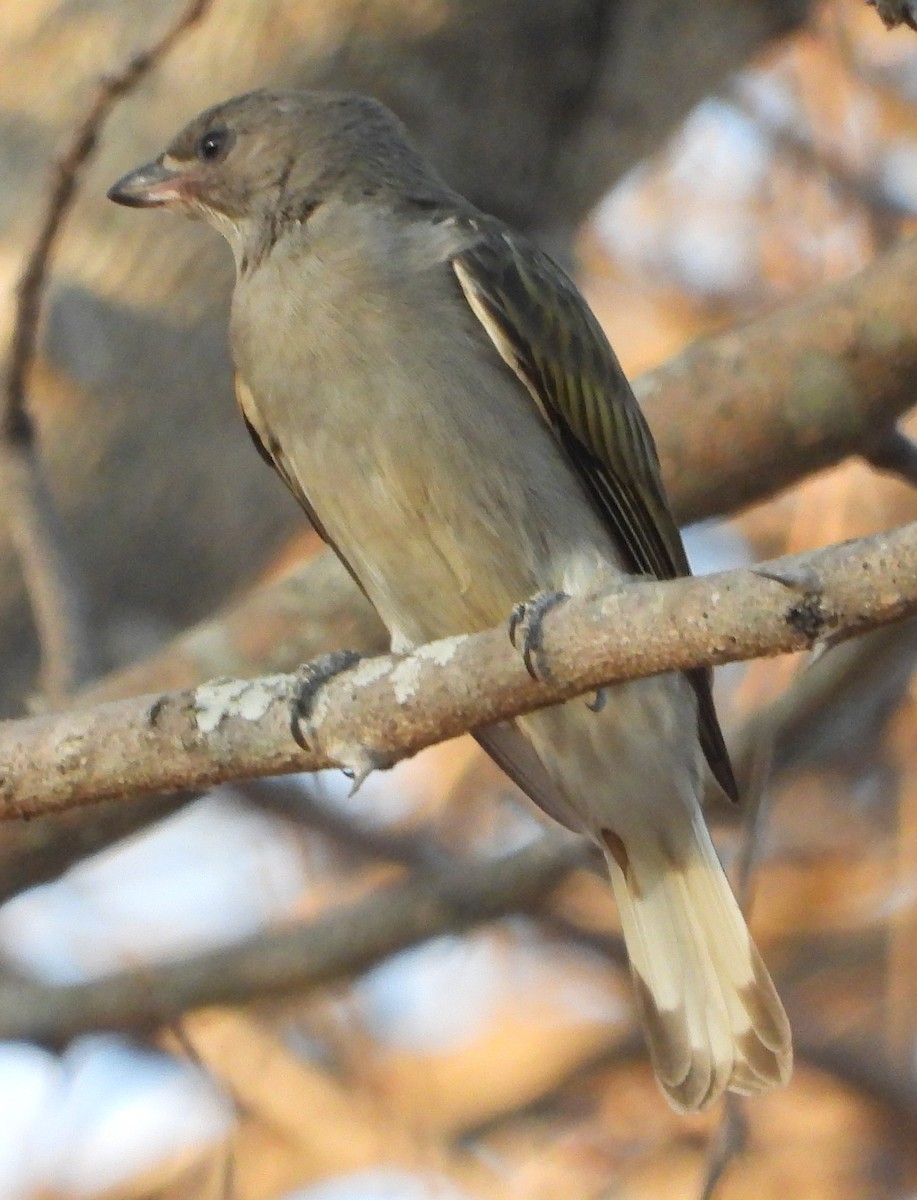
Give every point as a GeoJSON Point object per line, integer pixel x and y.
{"type": "Point", "coordinates": [340, 945]}
{"type": "Point", "coordinates": [53, 582]}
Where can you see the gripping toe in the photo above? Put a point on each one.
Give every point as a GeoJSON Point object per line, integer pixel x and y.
{"type": "Point", "coordinates": [525, 631]}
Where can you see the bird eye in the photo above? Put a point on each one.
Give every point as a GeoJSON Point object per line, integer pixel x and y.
{"type": "Point", "coordinates": [213, 145]}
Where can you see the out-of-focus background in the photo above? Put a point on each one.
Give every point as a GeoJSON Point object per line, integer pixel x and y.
{"type": "Point", "coordinates": [698, 164]}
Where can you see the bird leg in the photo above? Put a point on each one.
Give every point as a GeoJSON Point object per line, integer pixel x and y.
{"type": "Point", "coordinates": [527, 618]}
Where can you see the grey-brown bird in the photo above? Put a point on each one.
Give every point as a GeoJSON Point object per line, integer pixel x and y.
{"type": "Point", "coordinates": [438, 396]}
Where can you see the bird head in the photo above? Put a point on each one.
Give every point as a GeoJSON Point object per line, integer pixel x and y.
{"type": "Point", "coordinates": [256, 164]}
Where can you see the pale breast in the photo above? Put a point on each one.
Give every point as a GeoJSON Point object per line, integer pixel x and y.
{"type": "Point", "coordinates": [420, 452]}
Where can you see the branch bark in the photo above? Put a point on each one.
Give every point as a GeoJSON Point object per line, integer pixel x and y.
{"type": "Point", "coordinates": [794, 392]}
{"type": "Point", "coordinates": [388, 708]}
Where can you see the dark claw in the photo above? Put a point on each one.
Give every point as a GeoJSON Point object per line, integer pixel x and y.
{"type": "Point", "coordinates": [516, 617]}
{"type": "Point", "coordinates": [528, 617]}
{"type": "Point", "coordinates": [312, 678]}
{"type": "Point", "coordinates": [598, 703]}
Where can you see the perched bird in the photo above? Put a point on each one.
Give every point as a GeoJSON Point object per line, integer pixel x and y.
{"type": "Point", "coordinates": [438, 396]}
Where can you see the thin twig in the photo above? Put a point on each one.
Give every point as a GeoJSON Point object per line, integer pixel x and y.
{"type": "Point", "coordinates": [67, 169]}
{"type": "Point", "coordinates": [727, 1144]}
{"type": "Point", "coordinates": [51, 580]}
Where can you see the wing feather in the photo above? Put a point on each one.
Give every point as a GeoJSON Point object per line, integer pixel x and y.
{"type": "Point", "coordinates": [543, 330]}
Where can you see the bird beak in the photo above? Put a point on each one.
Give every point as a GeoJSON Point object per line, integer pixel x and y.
{"type": "Point", "coordinates": [150, 186]}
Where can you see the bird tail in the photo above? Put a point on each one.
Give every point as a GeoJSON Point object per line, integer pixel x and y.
{"type": "Point", "coordinates": [712, 1017]}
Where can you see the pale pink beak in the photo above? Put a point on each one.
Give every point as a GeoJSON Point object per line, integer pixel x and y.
{"type": "Point", "coordinates": [150, 186]}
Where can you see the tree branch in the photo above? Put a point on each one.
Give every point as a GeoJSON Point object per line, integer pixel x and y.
{"type": "Point", "coordinates": [388, 708]}
{"type": "Point", "coordinates": [337, 945]}
{"type": "Point", "coordinates": [794, 392]}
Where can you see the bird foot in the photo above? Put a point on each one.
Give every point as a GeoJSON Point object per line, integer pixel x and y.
{"type": "Point", "coordinates": [526, 620]}
{"type": "Point", "coordinates": [312, 677]}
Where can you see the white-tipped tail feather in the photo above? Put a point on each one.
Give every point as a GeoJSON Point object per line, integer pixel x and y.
{"type": "Point", "coordinates": [713, 1019]}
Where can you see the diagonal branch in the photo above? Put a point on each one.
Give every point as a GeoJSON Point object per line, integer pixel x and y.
{"type": "Point", "coordinates": [337, 945]}
{"type": "Point", "coordinates": [388, 708]}
{"type": "Point", "coordinates": [744, 413]}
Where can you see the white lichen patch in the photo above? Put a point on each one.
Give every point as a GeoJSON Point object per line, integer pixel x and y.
{"type": "Point", "coordinates": [364, 673]}
{"type": "Point", "coordinates": [248, 699]}
{"type": "Point", "coordinates": [442, 651]}
{"type": "Point", "coordinates": [407, 675]}
{"type": "Point", "coordinates": [368, 671]}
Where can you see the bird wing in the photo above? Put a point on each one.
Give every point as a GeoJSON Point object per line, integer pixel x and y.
{"type": "Point", "coordinates": [514, 754]}
{"type": "Point", "coordinates": [272, 453]}
{"type": "Point", "coordinates": [543, 330]}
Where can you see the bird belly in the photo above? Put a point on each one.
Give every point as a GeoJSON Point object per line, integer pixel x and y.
{"type": "Point", "coordinates": [427, 464]}
{"type": "Point", "coordinates": [435, 545]}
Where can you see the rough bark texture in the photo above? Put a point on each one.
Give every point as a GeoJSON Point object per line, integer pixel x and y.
{"type": "Point", "coordinates": [388, 708]}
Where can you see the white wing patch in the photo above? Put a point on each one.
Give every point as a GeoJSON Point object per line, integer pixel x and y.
{"type": "Point", "coordinates": [496, 334]}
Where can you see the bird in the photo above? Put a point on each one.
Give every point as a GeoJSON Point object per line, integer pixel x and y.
{"type": "Point", "coordinates": [437, 394]}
